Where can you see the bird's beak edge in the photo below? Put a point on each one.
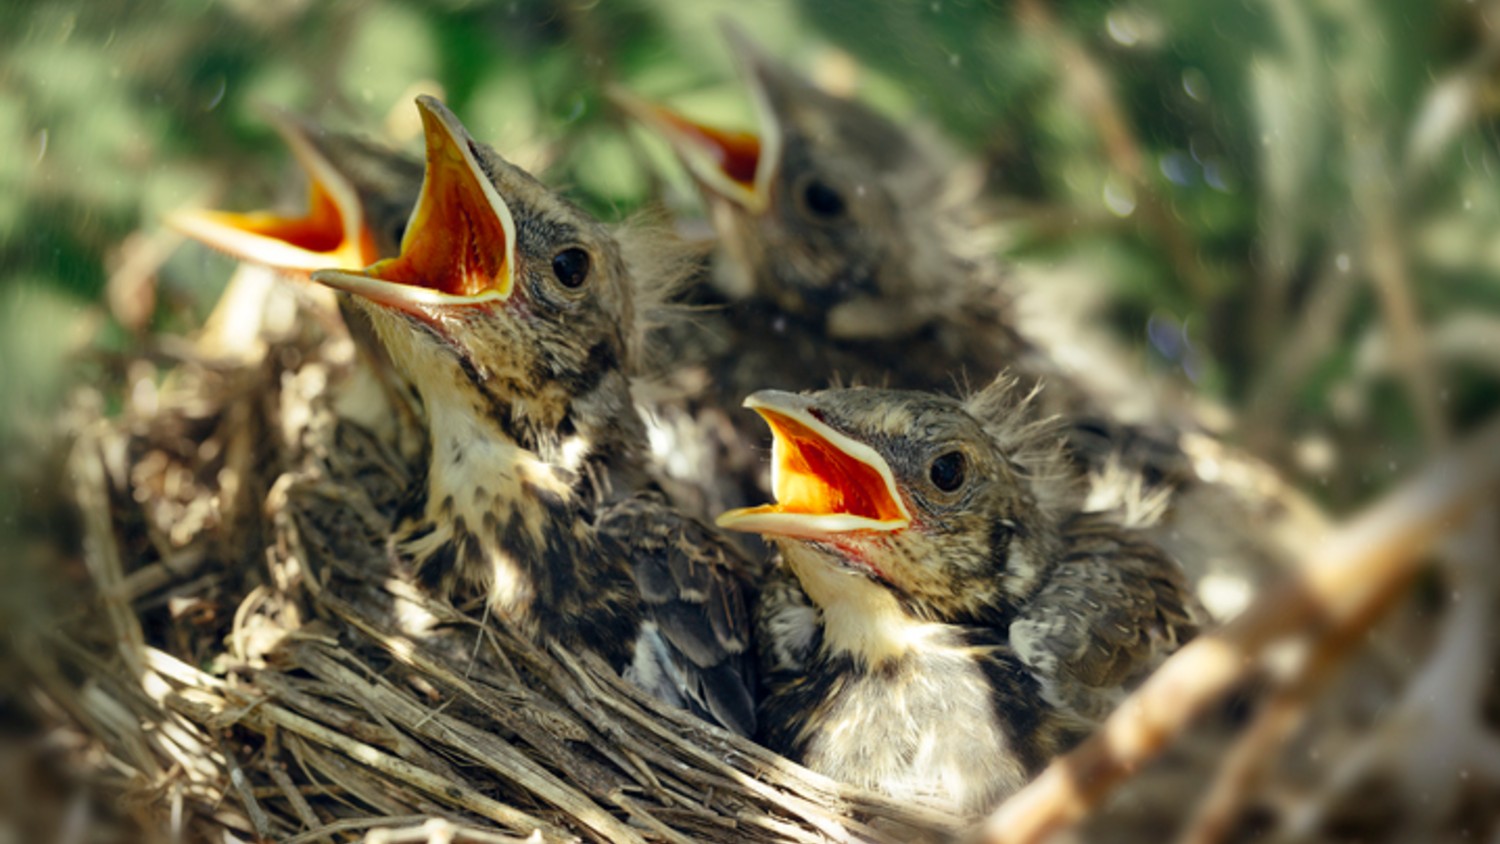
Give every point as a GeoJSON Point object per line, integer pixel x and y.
{"type": "Point", "coordinates": [736, 165]}
{"type": "Point", "coordinates": [826, 483]}
{"type": "Point", "coordinates": [459, 246]}
{"type": "Point", "coordinates": [331, 234]}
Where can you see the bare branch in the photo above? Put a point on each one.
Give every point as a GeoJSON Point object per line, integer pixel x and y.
{"type": "Point", "coordinates": [1359, 567]}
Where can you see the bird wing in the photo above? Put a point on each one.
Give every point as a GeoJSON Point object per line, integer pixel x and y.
{"type": "Point", "coordinates": [788, 627]}
{"type": "Point", "coordinates": [1152, 450]}
{"type": "Point", "coordinates": [695, 646]}
{"type": "Point", "coordinates": [1111, 611]}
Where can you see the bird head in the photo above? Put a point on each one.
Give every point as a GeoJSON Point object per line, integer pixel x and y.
{"type": "Point", "coordinates": [958, 518]}
{"type": "Point", "coordinates": [828, 206]}
{"type": "Point", "coordinates": [505, 301]}
{"type": "Point", "coordinates": [359, 197]}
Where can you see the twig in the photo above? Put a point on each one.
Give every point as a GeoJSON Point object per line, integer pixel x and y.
{"type": "Point", "coordinates": [1357, 567]}
{"type": "Point", "coordinates": [290, 792]}
{"type": "Point", "coordinates": [241, 783]}
{"type": "Point", "coordinates": [438, 831]}
{"type": "Point", "coordinates": [1438, 725]}
{"type": "Point", "coordinates": [1377, 202]}
{"type": "Point", "coordinates": [520, 719]}
{"type": "Point", "coordinates": [1247, 760]}
{"type": "Point", "coordinates": [1390, 271]}
{"type": "Point", "coordinates": [344, 779]}
{"type": "Point", "coordinates": [269, 714]}
{"type": "Point", "coordinates": [182, 564]}
{"type": "Point", "coordinates": [835, 824]}
{"type": "Point", "coordinates": [1310, 341]}
{"type": "Point", "coordinates": [641, 815]}
{"type": "Point", "coordinates": [101, 551]}
{"type": "Point", "coordinates": [487, 750]}
{"type": "Point", "coordinates": [1452, 102]}
{"type": "Point", "coordinates": [352, 824]}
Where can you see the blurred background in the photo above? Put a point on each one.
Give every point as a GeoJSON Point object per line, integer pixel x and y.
{"type": "Point", "coordinates": [1288, 207]}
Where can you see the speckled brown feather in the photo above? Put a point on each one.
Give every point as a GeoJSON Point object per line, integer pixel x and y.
{"type": "Point", "coordinates": [695, 598]}
{"type": "Point", "coordinates": [1112, 609]}
{"type": "Point", "coordinates": [1002, 623]}
{"type": "Point", "coordinates": [534, 458]}
{"type": "Point", "coordinates": [904, 291]}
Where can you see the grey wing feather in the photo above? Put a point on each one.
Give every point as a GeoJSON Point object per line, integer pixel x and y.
{"type": "Point", "coordinates": [787, 626]}
{"type": "Point", "coordinates": [1111, 611]}
{"type": "Point", "coordinates": [694, 601]}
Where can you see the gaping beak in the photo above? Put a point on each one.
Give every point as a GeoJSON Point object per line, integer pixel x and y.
{"type": "Point", "coordinates": [331, 234]}
{"type": "Point", "coordinates": [736, 165]}
{"type": "Point", "coordinates": [825, 482]}
{"type": "Point", "coordinates": [459, 247]}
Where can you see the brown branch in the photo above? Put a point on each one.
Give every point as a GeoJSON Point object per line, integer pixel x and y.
{"type": "Point", "coordinates": [1391, 273]}
{"type": "Point", "coordinates": [1357, 568]}
{"type": "Point", "coordinates": [1377, 203]}
{"type": "Point", "coordinates": [289, 791]}
{"type": "Point", "coordinates": [1247, 760]}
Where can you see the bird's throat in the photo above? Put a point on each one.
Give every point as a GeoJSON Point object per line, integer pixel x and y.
{"type": "Point", "coordinates": [496, 520]}
{"type": "Point", "coordinates": [861, 617]}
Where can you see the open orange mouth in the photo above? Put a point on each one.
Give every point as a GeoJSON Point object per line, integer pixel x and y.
{"type": "Point", "coordinates": [459, 248]}
{"type": "Point", "coordinates": [737, 165]}
{"type": "Point", "coordinates": [825, 482]}
{"type": "Point", "coordinates": [332, 234]}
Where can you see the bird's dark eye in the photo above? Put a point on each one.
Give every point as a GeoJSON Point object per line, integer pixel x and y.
{"type": "Point", "coordinates": [571, 267]}
{"type": "Point", "coordinates": [822, 200]}
{"type": "Point", "coordinates": [948, 471]}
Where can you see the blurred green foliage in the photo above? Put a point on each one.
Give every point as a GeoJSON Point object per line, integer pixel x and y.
{"type": "Point", "coordinates": [1269, 188]}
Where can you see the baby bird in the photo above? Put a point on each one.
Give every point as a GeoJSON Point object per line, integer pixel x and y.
{"type": "Point", "coordinates": [945, 616]}
{"type": "Point", "coordinates": [360, 195]}
{"type": "Point", "coordinates": [832, 214]}
{"type": "Point", "coordinates": [511, 312]}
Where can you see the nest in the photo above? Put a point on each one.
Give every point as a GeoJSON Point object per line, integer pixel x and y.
{"type": "Point", "coordinates": [247, 660]}
{"type": "Point", "coordinates": [252, 660]}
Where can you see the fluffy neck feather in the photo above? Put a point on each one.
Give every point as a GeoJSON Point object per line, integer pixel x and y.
{"type": "Point", "coordinates": [1011, 414]}
{"type": "Point", "coordinates": [498, 520]}
{"type": "Point", "coordinates": [860, 617]}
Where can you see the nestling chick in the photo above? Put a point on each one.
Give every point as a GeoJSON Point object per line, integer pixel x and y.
{"type": "Point", "coordinates": [511, 311]}
{"type": "Point", "coordinates": [360, 195]}
{"type": "Point", "coordinates": [947, 617]}
{"type": "Point", "coordinates": [832, 213]}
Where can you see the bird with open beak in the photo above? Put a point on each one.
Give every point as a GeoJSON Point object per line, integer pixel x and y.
{"type": "Point", "coordinates": [831, 213]}
{"type": "Point", "coordinates": [848, 257]}
{"type": "Point", "coordinates": [945, 615]}
{"type": "Point", "coordinates": [360, 195]}
{"type": "Point", "coordinates": [511, 311]}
